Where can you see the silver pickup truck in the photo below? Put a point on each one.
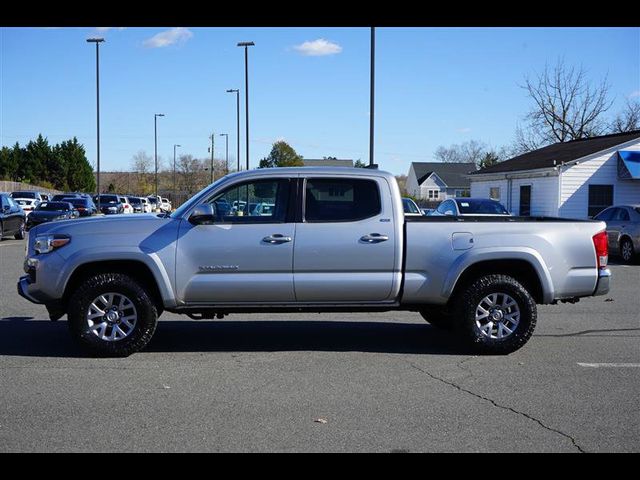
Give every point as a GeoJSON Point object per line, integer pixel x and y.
{"type": "Point", "coordinates": [329, 239]}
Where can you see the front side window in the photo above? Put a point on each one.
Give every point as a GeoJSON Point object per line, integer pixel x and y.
{"type": "Point", "coordinates": [341, 200]}
{"type": "Point", "coordinates": [261, 201]}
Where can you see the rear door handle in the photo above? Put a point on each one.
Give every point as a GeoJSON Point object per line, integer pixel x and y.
{"type": "Point", "coordinates": [374, 238]}
{"type": "Point", "coordinates": [276, 238]}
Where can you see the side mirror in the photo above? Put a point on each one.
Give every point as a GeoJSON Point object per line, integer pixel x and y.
{"type": "Point", "coordinates": [203, 214]}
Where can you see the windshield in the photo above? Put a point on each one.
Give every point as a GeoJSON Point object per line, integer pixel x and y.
{"type": "Point", "coordinates": [197, 198]}
{"type": "Point", "coordinates": [53, 206]}
{"type": "Point", "coordinates": [23, 195]}
{"type": "Point", "coordinates": [481, 206]}
{"type": "Point", "coordinates": [134, 200]}
{"type": "Point", "coordinates": [79, 203]}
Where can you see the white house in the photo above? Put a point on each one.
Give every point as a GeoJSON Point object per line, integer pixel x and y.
{"type": "Point", "coordinates": [437, 181]}
{"type": "Point", "coordinates": [574, 179]}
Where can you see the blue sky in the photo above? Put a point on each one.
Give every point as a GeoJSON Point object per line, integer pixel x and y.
{"type": "Point", "coordinates": [434, 86]}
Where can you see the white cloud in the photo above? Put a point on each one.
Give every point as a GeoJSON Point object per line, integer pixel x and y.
{"type": "Point", "coordinates": [318, 48]}
{"type": "Point", "coordinates": [168, 37]}
{"type": "Point", "coordinates": [634, 94]}
{"type": "Point", "coordinates": [106, 29]}
{"type": "Point", "coordinates": [463, 130]}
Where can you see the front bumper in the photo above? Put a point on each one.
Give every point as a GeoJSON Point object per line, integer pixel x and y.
{"type": "Point", "coordinates": [23, 289]}
{"type": "Point", "coordinates": [602, 287]}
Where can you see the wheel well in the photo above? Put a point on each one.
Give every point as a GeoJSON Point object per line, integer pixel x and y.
{"type": "Point", "coordinates": [623, 238]}
{"type": "Point", "coordinates": [133, 268]}
{"type": "Point", "coordinates": [521, 270]}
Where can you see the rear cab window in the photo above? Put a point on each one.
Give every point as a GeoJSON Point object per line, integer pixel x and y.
{"type": "Point", "coordinates": [341, 199]}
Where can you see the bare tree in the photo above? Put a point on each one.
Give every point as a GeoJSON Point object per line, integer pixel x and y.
{"type": "Point", "coordinates": [191, 174]}
{"type": "Point", "coordinates": [566, 107]}
{"type": "Point", "coordinates": [143, 168]}
{"type": "Point", "coordinates": [627, 120]}
{"type": "Point", "coordinates": [466, 152]}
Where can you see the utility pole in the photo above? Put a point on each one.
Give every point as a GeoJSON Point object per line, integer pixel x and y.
{"type": "Point", "coordinates": [97, 41]}
{"type": "Point", "coordinates": [372, 97]}
{"type": "Point", "coordinates": [213, 136]}
{"type": "Point", "coordinates": [246, 93]}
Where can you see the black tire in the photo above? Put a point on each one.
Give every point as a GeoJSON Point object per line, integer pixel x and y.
{"type": "Point", "coordinates": [439, 317]}
{"type": "Point", "coordinates": [468, 301]}
{"type": "Point", "coordinates": [626, 245]}
{"type": "Point", "coordinates": [20, 233]}
{"type": "Point", "coordinates": [1, 232]}
{"type": "Point", "coordinates": [90, 289]}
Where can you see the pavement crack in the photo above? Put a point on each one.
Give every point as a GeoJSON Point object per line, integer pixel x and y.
{"type": "Point", "coordinates": [495, 404]}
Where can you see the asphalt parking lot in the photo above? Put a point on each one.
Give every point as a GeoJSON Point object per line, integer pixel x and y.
{"type": "Point", "coordinates": [384, 382]}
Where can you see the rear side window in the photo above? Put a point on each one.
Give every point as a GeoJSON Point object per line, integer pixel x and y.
{"type": "Point", "coordinates": [341, 200]}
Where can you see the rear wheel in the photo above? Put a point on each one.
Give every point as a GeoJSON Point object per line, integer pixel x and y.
{"type": "Point", "coordinates": [110, 314]}
{"type": "Point", "coordinates": [627, 251]}
{"type": "Point", "coordinates": [496, 314]}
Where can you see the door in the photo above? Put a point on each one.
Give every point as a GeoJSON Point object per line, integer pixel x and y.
{"type": "Point", "coordinates": [525, 200]}
{"type": "Point", "coordinates": [11, 215]}
{"type": "Point", "coordinates": [345, 247]}
{"type": "Point", "coordinates": [244, 255]}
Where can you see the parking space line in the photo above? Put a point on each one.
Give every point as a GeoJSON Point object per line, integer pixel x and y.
{"type": "Point", "coordinates": [610, 365]}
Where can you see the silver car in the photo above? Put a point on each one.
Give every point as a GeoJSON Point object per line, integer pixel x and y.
{"type": "Point", "coordinates": [623, 230]}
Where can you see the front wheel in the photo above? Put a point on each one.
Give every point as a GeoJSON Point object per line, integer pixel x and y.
{"type": "Point", "coordinates": [627, 251]}
{"type": "Point", "coordinates": [111, 314]}
{"type": "Point", "coordinates": [496, 314]}
{"type": "Point", "coordinates": [20, 233]}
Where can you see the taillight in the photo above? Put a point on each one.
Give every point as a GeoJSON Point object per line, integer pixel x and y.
{"type": "Point", "coordinates": [602, 248]}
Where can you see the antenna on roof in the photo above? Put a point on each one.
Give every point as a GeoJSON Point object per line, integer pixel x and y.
{"type": "Point", "coordinates": [372, 166]}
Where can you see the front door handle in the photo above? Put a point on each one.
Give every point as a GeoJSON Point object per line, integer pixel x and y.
{"type": "Point", "coordinates": [374, 238]}
{"type": "Point", "coordinates": [276, 238]}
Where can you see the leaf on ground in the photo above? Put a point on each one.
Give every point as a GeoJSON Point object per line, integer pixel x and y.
{"type": "Point", "coordinates": [320, 420]}
{"type": "Point", "coordinates": [608, 299]}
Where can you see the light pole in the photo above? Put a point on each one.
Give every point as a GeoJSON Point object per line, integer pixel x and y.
{"type": "Point", "coordinates": [97, 41]}
{"type": "Point", "coordinates": [226, 135]}
{"type": "Point", "coordinates": [246, 92]}
{"type": "Point", "coordinates": [372, 96]}
{"type": "Point", "coordinates": [213, 136]}
{"type": "Point", "coordinates": [155, 131]}
{"type": "Point", "coordinates": [174, 172]}
{"type": "Point", "coordinates": [237, 92]}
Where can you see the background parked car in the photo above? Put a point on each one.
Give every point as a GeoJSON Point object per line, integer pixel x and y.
{"type": "Point", "coordinates": [85, 206]}
{"type": "Point", "coordinates": [470, 206]}
{"type": "Point", "coordinates": [410, 208]}
{"type": "Point", "coordinates": [109, 204]}
{"type": "Point", "coordinates": [51, 212]}
{"type": "Point", "coordinates": [146, 206]}
{"type": "Point", "coordinates": [12, 218]}
{"type": "Point", "coordinates": [165, 204]}
{"type": "Point", "coordinates": [136, 204]}
{"type": "Point", "coordinates": [29, 195]}
{"type": "Point", "coordinates": [126, 206]}
{"type": "Point", "coordinates": [28, 205]}
{"type": "Point", "coordinates": [155, 205]}
{"type": "Point", "coordinates": [623, 230]}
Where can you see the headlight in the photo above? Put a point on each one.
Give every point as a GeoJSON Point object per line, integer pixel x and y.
{"type": "Point", "coordinates": [48, 243]}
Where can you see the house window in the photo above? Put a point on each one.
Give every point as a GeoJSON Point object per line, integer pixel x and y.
{"type": "Point", "coordinates": [600, 197]}
{"type": "Point", "coordinates": [434, 194]}
{"type": "Point", "coordinates": [525, 200]}
{"type": "Point", "coordinates": [494, 193]}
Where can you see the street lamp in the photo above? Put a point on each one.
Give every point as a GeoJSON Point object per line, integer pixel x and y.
{"type": "Point", "coordinates": [174, 172]}
{"type": "Point", "coordinates": [155, 131]}
{"type": "Point", "coordinates": [246, 91]}
{"type": "Point", "coordinates": [237, 92]}
{"type": "Point", "coordinates": [226, 135]}
{"type": "Point", "coordinates": [97, 41]}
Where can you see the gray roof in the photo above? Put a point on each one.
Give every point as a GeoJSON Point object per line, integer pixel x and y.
{"type": "Point", "coordinates": [453, 174]}
{"type": "Point", "coordinates": [329, 162]}
{"type": "Point", "coordinates": [558, 153]}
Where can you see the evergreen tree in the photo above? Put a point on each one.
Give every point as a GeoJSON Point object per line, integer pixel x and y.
{"type": "Point", "coordinates": [79, 173]}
